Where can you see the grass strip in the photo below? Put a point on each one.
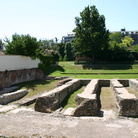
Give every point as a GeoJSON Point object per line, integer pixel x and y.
{"type": "Point", "coordinates": [69, 100]}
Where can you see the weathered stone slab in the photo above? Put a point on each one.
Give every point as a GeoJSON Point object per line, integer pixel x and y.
{"type": "Point", "coordinates": [115, 84]}
{"type": "Point", "coordinates": [127, 103]}
{"type": "Point", "coordinates": [92, 87]}
{"type": "Point", "coordinates": [87, 101]}
{"type": "Point", "coordinates": [82, 97]}
{"type": "Point", "coordinates": [5, 109]}
{"type": "Point", "coordinates": [133, 83]}
{"type": "Point", "coordinates": [10, 97]}
{"type": "Point", "coordinates": [9, 89]}
{"type": "Point", "coordinates": [47, 104]}
{"type": "Point", "coordinates": [60, 83]}
{"type": "Point", "coordinates": [128, 107]}
{"type": "Point", "coordinates": [89, 107]}
{"type": "Point", "coordinates": [69, 111]}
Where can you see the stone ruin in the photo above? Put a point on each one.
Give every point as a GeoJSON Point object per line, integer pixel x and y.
{"type": "Point", "coordinates": [88, 102]}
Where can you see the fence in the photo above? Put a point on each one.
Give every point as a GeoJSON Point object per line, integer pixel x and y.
{"type": "Point", "coordinates": [14, 62]}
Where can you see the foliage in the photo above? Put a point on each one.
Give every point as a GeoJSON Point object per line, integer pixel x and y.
{"type": "Point", "coordinates": [118, 48]}
{"type": "Point", "coordinates": [21, 45]}
{"type": "Point", "coordinates": [61, 50]}
{"type": "Point", "coordinates": [115, 38]}
{"type": "Point", "coordinates": [45, 50]}
{"type": "Point", "coordinates": [134, 48]}
{"type": "Point", "coordinates": [69, 53]}
{"type": "Point", "coordinates": [48, 44]}
{"type": "Point", "coordinates": [91, 35]}
{"type": "Point", "coordinates": [47, 57]}
{"type": "Point", "coordinates": [127, 41]}
{"type": "Point", "coordinates": [119, 53]}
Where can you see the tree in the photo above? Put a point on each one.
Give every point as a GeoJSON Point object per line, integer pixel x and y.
{"type": "Point", "coordinates": [61, 50]}
{"type": "Point", "coordinates": [127, 41]}
{"type": "Point", "coordinates": [21, 45]}
{"type": "Point", "coordinates": [69, 54]}
{"type": "Point", "coordinates": [48, 44]}
{"type": "Point", "coordinates": [91, 36]}
{"type": "Point", "coordinates": [115, 38]}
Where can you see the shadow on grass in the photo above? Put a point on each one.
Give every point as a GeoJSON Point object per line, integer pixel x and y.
{"type": "Point", "coordinates": [33, 84]}
{"type": "Point", "coordinates": [51, 69]}
{"type": "Point", "coordinates": [108, 66]}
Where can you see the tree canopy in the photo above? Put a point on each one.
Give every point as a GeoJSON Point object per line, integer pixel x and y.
{"type": "Point", "coordinates": [21, 45]}
{"type": "Point", "coordinates": [91, 35]}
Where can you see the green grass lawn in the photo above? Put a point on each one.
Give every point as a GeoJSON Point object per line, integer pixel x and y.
{"type": "Point", "coordinates": [37, 86]}
{"type": "Point", "coordinates": [97, 71]}
{"type": "Point", "coordinates": [69, 100]}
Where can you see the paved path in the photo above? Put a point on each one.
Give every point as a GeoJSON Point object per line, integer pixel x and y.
{"type": "Point", "coordinates": [23, 122]}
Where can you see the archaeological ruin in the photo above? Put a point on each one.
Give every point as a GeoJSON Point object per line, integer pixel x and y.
{"type": "Point", "coordinates": [88, 102]}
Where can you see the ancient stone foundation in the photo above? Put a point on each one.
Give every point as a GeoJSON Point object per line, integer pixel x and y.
{"type": "Point", "coordinates": [127, 103]}
{"type": "Point", "coordinates": [51, 100]}
{"type": "Point", "coordinates": [88, 102]}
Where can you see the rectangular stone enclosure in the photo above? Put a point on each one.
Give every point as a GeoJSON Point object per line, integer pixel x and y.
{"type": "Point", "coordinates": [88, 102]}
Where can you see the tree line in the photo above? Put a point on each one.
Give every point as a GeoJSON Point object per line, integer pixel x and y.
{"type": "Point", "coordinates": [92, 40]}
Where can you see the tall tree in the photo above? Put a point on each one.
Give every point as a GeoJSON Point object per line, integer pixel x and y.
{"type": "Point", "coordinates": [91, 35]}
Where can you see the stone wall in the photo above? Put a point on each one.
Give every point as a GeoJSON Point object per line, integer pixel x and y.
{"type": "Point", "coordinates": [51, 100]}
{"type": "Point", "coordinates": [87, 101]}
{"type": "Point", "coordinates": [127, 103]}
{"type": "Point", "coordinates": [8, 78]}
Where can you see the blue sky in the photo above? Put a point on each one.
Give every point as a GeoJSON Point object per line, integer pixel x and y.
{"type": "Point", "coordinates": [47, 19]}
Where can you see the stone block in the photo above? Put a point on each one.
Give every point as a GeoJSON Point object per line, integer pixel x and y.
{"type": "Point", "coordinates": [92, 87]}
{"type": "Point", "coordinates": [60, 83]}
{"type": "Point", "coordinates": [46, 104]}
{"type": "Point", "coordinates": [81, 97]}
{"type": "Point", "coordinates": [89, 107]}
{"type": "Point", "coordinates": [9, 89]}
{"type": "Point", "coordinates": [115, 84]}
{"type": "Point", "coordinates": [128, 107]}
{"type": "Point", "coordinates": [10, 97]}
{"type": "Point", "coordinates": [133, 83]}
{"type": "Point", "coordinates": [127, 103]}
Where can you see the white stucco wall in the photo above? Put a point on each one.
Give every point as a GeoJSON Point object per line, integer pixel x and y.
{"type": "Point", "coordinates": [13, 62]}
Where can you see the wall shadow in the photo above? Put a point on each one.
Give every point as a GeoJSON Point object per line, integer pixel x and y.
{"type": "Point", "coordinates": [108, 66]}
{"type": "Point", "coordinates": [32, 84]}
{"type": "Point", "coordinates": [51, 69]}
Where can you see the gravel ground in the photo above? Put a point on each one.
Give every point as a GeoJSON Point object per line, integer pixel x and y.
{"type": "Point", "coordinates": [26, 123]}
